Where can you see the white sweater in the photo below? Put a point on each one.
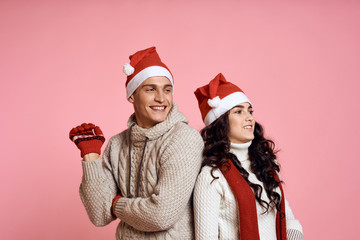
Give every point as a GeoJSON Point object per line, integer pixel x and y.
{"type": "Point", "coordinates": [215, 206]}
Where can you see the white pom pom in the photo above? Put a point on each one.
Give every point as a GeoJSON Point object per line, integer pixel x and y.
{"type": "Point", "coordinates": [214, 103]}
{"type": "Point", "coordinates": [128, 69]}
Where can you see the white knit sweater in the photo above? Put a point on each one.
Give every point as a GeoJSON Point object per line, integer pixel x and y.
{"type": "Point", "coordinates": [215, 207]}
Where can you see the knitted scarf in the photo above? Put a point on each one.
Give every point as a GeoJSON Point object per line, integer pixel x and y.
{"type": "Point", "coordinates": [247, 205]}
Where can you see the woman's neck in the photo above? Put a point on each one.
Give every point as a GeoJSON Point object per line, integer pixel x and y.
{"type": "Point", "coordinates": [241, 150]}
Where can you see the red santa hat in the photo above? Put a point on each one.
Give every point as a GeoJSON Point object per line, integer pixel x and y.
{"type": "Point", "coordinates": [218, 97]}
{"type": "Point", "coordinates": [144, 64]}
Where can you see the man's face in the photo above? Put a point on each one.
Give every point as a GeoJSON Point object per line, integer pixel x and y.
{"type": "Point", "coordinates": [152, 101]}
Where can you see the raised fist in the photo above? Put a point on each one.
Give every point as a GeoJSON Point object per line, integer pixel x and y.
{"type": "Point", "coordinates": [88, 138]}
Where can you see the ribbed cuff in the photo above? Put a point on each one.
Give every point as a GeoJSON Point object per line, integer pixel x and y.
{"type": "Point", "coordinates": [294, 234]}
{"type": "Point", "coordinates": [112, 205]}
{"type": "Point", "coordinates": [92, 170]}
{"type": "Point", "coordinates": [120, 206]}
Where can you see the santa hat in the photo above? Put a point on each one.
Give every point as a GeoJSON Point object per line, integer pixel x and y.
{"type": "Point", "coordinates": [144, 64]}
{"type": "Point", "coordinates": [218, 97]}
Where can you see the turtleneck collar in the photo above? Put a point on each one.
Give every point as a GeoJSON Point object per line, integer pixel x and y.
{"type": "Point", "coordinates": [241, 150]}
{"type": "Point", "coordinates": [139, 134]}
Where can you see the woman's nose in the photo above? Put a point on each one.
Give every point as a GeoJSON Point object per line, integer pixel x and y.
{"type": "Point", "coordinates": [249, 117]}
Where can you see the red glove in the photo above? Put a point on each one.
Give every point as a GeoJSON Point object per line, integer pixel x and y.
{"type": "Point", "coordinates": [88, 138]}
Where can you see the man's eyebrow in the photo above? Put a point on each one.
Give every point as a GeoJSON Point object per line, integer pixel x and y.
{"type": "Point", "coordinates": [148, 85]}
{"type": "Point", "coordinates": [155, 85]}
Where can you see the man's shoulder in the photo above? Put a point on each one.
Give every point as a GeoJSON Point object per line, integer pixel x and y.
{"type": "Point", "coordinates": [184, 139]}
{"type": "Point", "coordinates": [118, 137]}
{"type": "Point", "coordinates": [183, 130]}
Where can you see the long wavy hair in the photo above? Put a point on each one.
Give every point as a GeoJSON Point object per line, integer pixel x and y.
{"type": "Point", "coordinates": [262, 156]}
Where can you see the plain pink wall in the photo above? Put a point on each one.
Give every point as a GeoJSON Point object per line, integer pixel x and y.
{"type": "Point", "coordinates": [61, 64]}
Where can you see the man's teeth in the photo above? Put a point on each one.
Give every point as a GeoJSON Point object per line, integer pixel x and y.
{"type": "Point", "coordinates": [158, 108]}
{"type": "Point", "coordinates": [247, 127]}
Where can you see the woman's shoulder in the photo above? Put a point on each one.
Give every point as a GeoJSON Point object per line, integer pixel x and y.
{"type": "Point", "coordinates": [210, 175]}
{"type": "Point", "coordinates": [210, 182]}
{"type": "Point", "coordinates": [207, 170]}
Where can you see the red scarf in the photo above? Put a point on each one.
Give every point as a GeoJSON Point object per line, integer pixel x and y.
{"type": "Point", "coordinates": [247, 205]}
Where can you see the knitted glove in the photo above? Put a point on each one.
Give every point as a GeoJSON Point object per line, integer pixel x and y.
{"type": "Point", "coordinates": [88, 138]}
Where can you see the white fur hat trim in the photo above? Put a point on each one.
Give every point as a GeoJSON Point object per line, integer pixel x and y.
{"type": "Point", "coordinates": [224, 105]}
{"type": "Point", "coordinates": [153, 71]}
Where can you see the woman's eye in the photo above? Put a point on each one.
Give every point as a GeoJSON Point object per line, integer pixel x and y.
{"type": "Point", "coordinates": [251, 112]}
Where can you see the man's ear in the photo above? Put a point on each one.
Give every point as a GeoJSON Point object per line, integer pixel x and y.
{"type": "Point", "coordinates": [131, 98]}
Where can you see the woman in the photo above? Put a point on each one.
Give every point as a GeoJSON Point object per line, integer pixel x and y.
{"type": "Point", "coordinates": [238, 194]}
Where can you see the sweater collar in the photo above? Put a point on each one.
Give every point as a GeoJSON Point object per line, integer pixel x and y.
{"type": "Point", "coordinates": [241, 151]}
{"type": "Point", "coordinates": [139, 134]}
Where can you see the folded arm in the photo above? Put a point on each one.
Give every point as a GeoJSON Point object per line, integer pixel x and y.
{"type": "Point", "coordinates": [177, 172]}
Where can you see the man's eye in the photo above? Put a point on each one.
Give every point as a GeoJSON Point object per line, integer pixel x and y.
{"type": "Point", "coordinates": [251, 112]}
{"type": "Point", "coordinates": [150, 89]}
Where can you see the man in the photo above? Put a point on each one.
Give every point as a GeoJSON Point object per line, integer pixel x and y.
{"type": "Point", "coordinates": [148, 170]}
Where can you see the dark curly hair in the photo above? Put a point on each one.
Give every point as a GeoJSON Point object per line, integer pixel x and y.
{"type": "Point", "coordinates": [262, 156]}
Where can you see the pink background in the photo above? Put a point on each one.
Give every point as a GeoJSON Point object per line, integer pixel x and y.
{"type": "Point", "coordinates": [61, 65]}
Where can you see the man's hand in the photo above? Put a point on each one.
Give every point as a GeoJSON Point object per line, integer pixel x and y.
{"type": "Point", "coordinates": [114, 203]}
{"type": "Point", "coordinates": [88, 138]}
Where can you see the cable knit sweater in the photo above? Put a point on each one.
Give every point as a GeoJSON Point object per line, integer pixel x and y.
{"type": "Point", "coordinates": [215, 207]}
{"type": "Point", "coordinates": [155, 170]}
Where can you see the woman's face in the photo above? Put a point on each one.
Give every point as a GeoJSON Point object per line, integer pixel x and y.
{"type": "Point", "coordinates": [242, 123]}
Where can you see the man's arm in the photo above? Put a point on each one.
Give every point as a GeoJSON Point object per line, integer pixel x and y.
{"type": "Point", "coordinates": [90, 157]}
{"type": "Point", "coordinates": [179, 168]}
{"type": "Point", "coordinates": [98, 187]}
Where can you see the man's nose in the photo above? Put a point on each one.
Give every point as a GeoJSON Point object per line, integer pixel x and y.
{"type": "Point", "coordinates": [159, 96]}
